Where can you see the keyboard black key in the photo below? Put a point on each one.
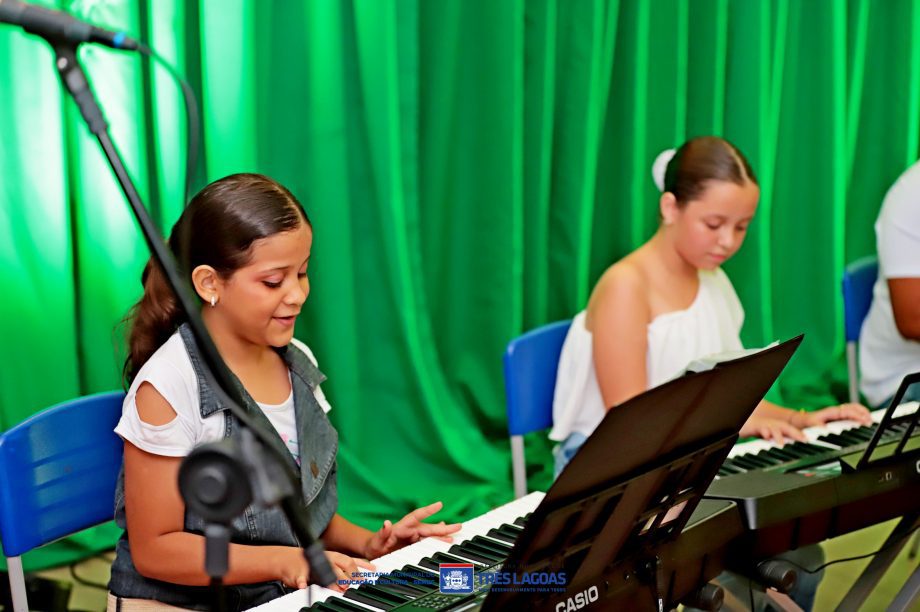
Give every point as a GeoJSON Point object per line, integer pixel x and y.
{"type": "Point", "coordinates": [833, 439]}
{"type": "Point", "coordinates": [498, 535]}
{"type": "Point", "coordinates": [851, 438]}
{"type": "Point", "coordinates": [511, 529]}
{"type": "Point", "coordinates": [441, 557]}
{"type": "Point", "coordinates": [482, 550]}
{"type": "Point", "coordinates": [803, 449]}
{"type": "Point", "coordinates": [341, 605]}
{"type": "Point", "coordinates": [733, 467]}
{"type": "Point", "coordinates": [767, 457]}
{"type": "Point", "coordinates": [383, 593]}
{"type": "Point", "coordinates": [520, 521]}
{"type": "Point", "coordinates": [472, 555]}
{"type": "Point", "coordinates": [863, 433]}
{"type": "Point", "coordinates": [420, 573]}
{"type": "Point", "coordinates": [407, 583]}
{"type": "Point", "coordinates": [746, 462]}
{"type": "Point", "coordinates": [369, 599]}
{"type": "Point", "coordinates": [782, 454]}
{"type": "Point", "coordinates": [499, 547]}
{"type": "Point", "coordinates": [762, 462]}
{"type": "Point", "coordinates": [400, 588]}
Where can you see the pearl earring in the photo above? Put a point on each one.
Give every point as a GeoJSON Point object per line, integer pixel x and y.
{"type": "Point", "coordinates": [213, 301]}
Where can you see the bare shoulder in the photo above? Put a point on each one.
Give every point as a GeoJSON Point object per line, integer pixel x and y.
{"type": "Point", "coordinates": [623, 288]}
{"type": "Point", "coordinates": [625, 279]}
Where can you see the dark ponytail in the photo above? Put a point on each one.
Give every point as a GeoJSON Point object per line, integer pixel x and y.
{"type": "Point", "coordinates": [217, 229]}
{"type": "Point", "coordinates": [151, 321]}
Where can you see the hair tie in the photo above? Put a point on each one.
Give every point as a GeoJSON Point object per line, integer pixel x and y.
{"type": "Point", "coordinates": [660, 167]}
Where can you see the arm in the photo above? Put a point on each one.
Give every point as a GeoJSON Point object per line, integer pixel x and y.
{"type": "Point", "coordinates": [905, 302]}
{"type": "Point", "coordinates": [342, 534]}
{"type": "Point", "coordinates": [161, 550]}
{"type": "Point", "coordinates": [155, 512]}
{"type": "Point", "coordinates": [618, 317]}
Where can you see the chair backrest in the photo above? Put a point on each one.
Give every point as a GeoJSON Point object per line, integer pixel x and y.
{"type": "Point", "coordinates": [58, 471]}
{"type": "Point", "coordinates": [530, 377]}
{"type": "Point", "coordinates": [858, 280]}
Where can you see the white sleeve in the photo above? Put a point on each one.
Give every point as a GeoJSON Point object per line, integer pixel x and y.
{"type": "Point", "coordinates": [179, 436]}
{"type": "Point", "coordinates": [317, 392]}
{"type": "Point", "coordinates": [898, 228]}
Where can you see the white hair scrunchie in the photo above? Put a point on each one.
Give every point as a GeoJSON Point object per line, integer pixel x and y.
{"type": "Point", "coordinates": [660, 166]}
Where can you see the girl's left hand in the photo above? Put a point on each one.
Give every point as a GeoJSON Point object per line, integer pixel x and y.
{"type": "Point", "coordinates": [852, 412]}
{"type": "Point", "coordinates": [408, 530]}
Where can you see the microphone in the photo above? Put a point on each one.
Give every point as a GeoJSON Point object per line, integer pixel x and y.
{"type": "Point", "coordinates": [57, 26]}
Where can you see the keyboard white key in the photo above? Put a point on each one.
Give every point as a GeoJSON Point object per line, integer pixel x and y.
{"type": "Point", "coordinates": [411, 554]}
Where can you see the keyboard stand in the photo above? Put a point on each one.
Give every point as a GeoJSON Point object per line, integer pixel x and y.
{"type": "Point", "coordinates": [869, 578]}
{"type": "Point", "coordinates": [908, 593]}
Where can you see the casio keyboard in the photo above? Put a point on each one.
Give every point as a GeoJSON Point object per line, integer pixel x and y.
{"type": "Point", "coordinates": [411, 580]}
{"type": "Point", "coordinates": [787, 496]}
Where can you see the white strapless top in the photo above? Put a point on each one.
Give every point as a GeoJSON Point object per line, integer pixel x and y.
{"type": "Point", "coordinates": [710, 325]}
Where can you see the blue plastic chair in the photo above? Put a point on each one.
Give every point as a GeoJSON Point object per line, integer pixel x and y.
{"type": "Point", "coordinates": [858, 280]}
{"type": "Point", "coordinates": [530, 379]}
{"type": "Point", "coordinates": [58, 471]}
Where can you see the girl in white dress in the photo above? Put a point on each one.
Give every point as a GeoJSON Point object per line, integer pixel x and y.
{"type": "Point", "coordinates": [668, 303]}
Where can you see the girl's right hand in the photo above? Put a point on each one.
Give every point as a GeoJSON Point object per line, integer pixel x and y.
{"type": "Point", "coordinates": [769, 428]}
{"type": "Point", "coordinates": [292, 571]}
{"type": "Point", "coordinates": [347, 569]}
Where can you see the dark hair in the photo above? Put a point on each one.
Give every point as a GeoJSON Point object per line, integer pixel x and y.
{"type": "Point", "coordinates": [217, 229]}
{"type": "Point", "coordinates": [701, 160]}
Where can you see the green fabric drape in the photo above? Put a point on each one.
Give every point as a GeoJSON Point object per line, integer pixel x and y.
{"type": "Point", "coordinates": [471, 168]}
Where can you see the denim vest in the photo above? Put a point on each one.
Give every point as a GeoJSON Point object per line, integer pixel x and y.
{"type": "Point", "coordinates": [318, 442]}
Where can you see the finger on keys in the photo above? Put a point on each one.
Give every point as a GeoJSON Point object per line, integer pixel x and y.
{"type": "Point", "coordinates": [424, 512]}
{"type": "Point", "coordinates": [768, 431]}
{"type": "Point", "coordinates": [775, 435]}
{"type": "Point", "coordinates": [793, 433]}
{"type": "Point", "coordinates": [856, 412]}
{"type": "Point", "coordinates": [361, 564]}
{"type": "Point", "coordinates": [365, 564]}
{"type": "Point", "coordinates": [441, 530]}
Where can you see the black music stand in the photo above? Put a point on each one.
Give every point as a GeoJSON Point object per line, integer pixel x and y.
{"type": "Point", "coordinates": [890, 452]}
{"type": "Point", "coordinates": [628, 493]}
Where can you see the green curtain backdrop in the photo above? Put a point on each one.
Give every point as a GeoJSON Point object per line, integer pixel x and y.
{"type": "Point", "coordinates": [471, 168]}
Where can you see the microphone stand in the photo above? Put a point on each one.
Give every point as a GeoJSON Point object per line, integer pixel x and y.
{"type": "Point", "coordinates": [217, 480]}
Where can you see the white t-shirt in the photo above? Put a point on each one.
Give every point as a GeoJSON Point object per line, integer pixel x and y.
{"type": "Point", "coordinates": [885, 356]}
{"type": "Point", "coordinates": [170, 372]}
{"type": "Point", "coordinates": [710, 325]}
